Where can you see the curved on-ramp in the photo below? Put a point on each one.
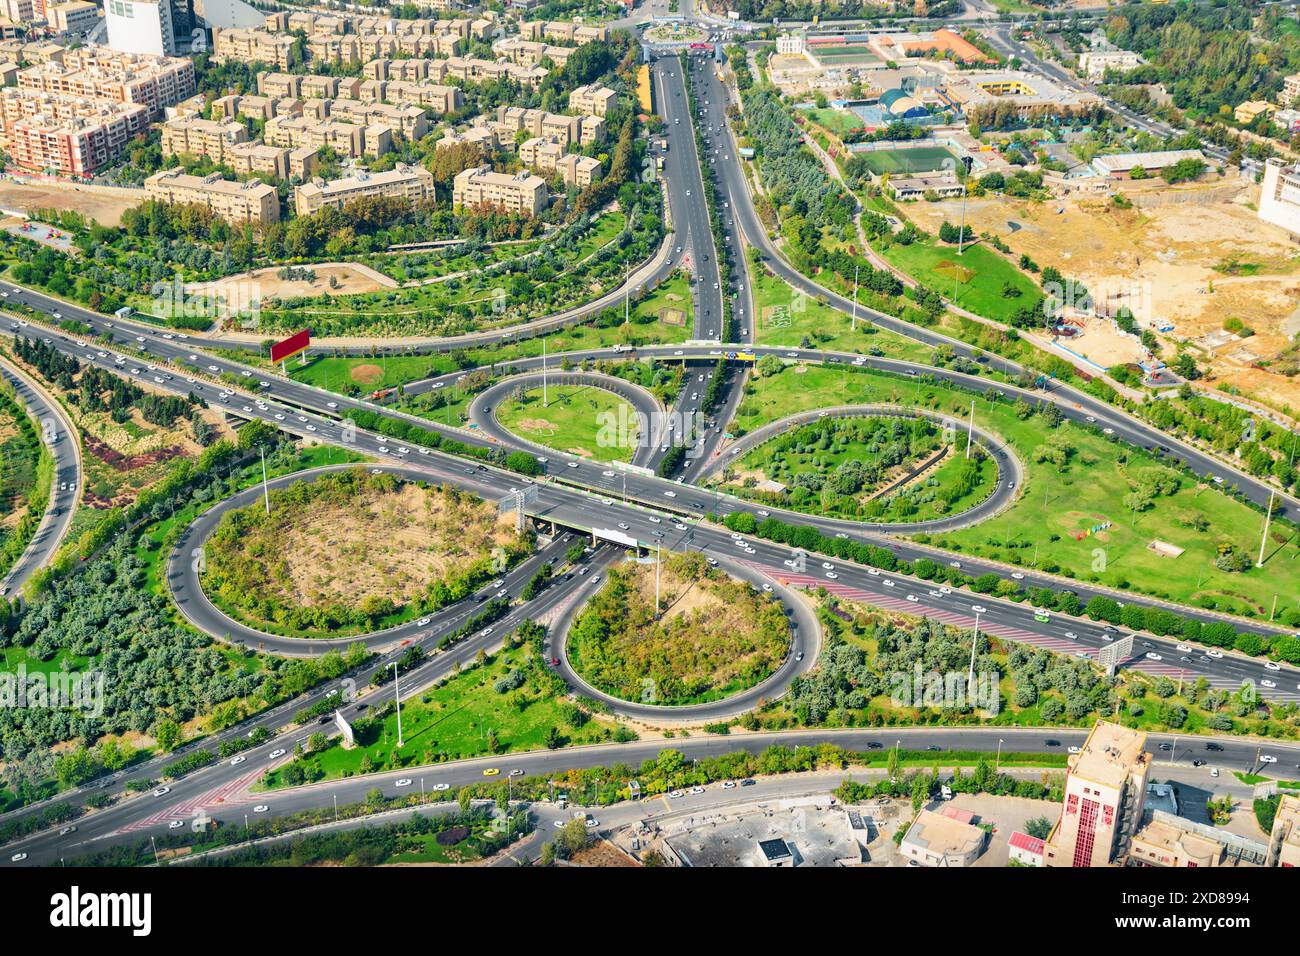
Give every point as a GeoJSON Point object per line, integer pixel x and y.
{"type": "Point", "coordinates": [66, 490]}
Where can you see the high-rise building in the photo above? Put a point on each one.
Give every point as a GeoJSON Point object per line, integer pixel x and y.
{"type": "Point", "coordinates": [141, 26]}
{"type": "Point", "coordinates": [1279, 196]}
{"type": "Point", "coordinates": [1105, 788]}
{"type": "Point", "coordinates": [1284, 841]}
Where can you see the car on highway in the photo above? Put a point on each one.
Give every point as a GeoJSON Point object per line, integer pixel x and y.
{"type": "Point", "coordinates": [162, 791]}
{"type": "Point", "coordinates": [979, 609]}
{"type": "Point", "coordinates": [261, 808]}
{"type": "Point", "coordinates": [404, 782]}
{"type": "Point", "coordinates": [1267, 758]}
{"type": "Point", "coordinates": [18, 858]}
{"type": "Point", "coordinates": [175, 824]}
{"type": "Point", "coordinates": [491, 772]}
{"type": "Point", "coordinates": [276, 754]}
{"type": "Point", "coordinates": [1153, 656]}
{"type": "Point", "coordinates": [236, 761]}
{"type": "Point", "coordinates": [1272, 666]}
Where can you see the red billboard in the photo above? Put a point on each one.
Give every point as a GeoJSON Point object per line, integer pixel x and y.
{"type": "Point", "coordinates": [291, 346]}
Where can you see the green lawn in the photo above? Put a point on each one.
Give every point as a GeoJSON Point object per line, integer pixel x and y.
{"type": "Point", "coordinates": [578, 419]}
{"type": "Point", "coordinates": [462, 718]}
{"type": "Point", "coordinates": [1055, 504]}
{"type": "Point", "coordinates": [974, 280]}
{"type": "Point", "coordinates": [12, 657]}
{"type": "Point", "coordinates": [838, 122]}
{"type": "Point", "coordinates": [786, 317]}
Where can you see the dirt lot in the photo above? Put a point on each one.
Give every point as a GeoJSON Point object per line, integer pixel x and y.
{"type": "Point", "coordinates": [1191, 264]}
{"type": "Point", "coordinates": [262, 285]}
{"type": "Point", "coordinates": [395, 544]}
{"type": "Point", "coordinates": [105, 207]}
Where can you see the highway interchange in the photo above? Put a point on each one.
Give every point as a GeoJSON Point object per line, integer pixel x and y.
{"type": "Point", "coordinates": [624, 505]}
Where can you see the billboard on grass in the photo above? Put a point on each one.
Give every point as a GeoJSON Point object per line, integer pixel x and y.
{"type": "Point", "coordinates": [291, 346]}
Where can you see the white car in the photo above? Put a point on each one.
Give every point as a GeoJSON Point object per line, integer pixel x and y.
{"type": "Point", "coordinates": [276, 754]}
{"type": "Point", "coordinates": [162, 791]}
{"type": "Point", "coordinates": [261, 808]}
{"type": "Point", "coordinates": [1213, 653]}
{"type": "Point", "coordinates": [1266, 758]}
{"type": "Point", "coordinates": [1073, 750]}
{"type": "Point", "coordinates": [676, 793]}
{"type": "Point", "coordinates": [1272, 666]}
{"type": "Point", "coordinates": [979, 609]}
{"type": "Point", "coordinates": [670, 494]}
{"type": "Point", "coordinates": [440, 787]}
{"type": "Point", "coordinates": [516, 772]}
{"type": "Point", "coordinates": [1265, 682]}
{"type": "Point", "coordinates": [18, 858]}
{"type": "Point", "coordinates": [767, 588]}
{"type": "Point", "coordinates": [404, 782]}
{"type": "Point", "coordinates": [423, 622]}
{"type": "Point", "coordinates": [572, 464]}
{"type": "Point", "coordinates": [913, 598]}
{"type": "Point", "coordinates": [1152, 656]}
{"type": "Point", "coordinates": [1185, 648]}
{"type": "Point", "coordinates": [887, 583]}
{"type": "Point", "coordinates": [175, 824]}
{"type": "Point", "coordinates": [236, 761]}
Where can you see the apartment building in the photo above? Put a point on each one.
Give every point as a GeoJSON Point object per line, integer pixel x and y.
{"type": "Point", "coordinates": [252, 202]}
{"type": "Point", "coordinates": [412, 71]}
{"type": "Point", "coordinates": [409, 121]}
{"type": "Point", "coordinates": [521, 192]}
{"type": "Point", "coordinates": [1290, 89]}
{"type": "Point", "coordinates": [76, 18]}
{"type": "Point", "coordinates": [414, 183]}
{"type": "Point", "coordinates": [1284, 840]}
{"type": "Point", "coordinates": [475, 70]}
{"type": "Point", "coordinates": [578, 170]}
{"type": "Point", "coordinates": [66, 136]}
{"type": "Point", "coordinates": [247, 45]}
{"type": "Point", "coordinates": [247, 159]}
{"type": "Point", "coordinates": [1105, 788]}
{"type": "Point", "coordinates": [1093, 64]}
{"type": "Point", "coordinates": [346, 139]}
{"type": "Point", "coordinates": [435, 96]}
{"type": "Point", "coordinates": [281, 84]}
{"type": "Point", "coordinates": [593, 100]}
{"type": "Point", "coordinates": [540, 153]}
{"type": "Point", "coordinates": [195, 136]}
{"type": "Point", "coordinates": [530, 52]}
{"type": "Point", "coordinates": [153, 82]}
{"type": "Point", "coordinates": [471, 136]}
{"type": "Point", "coordinates": [563, 31]}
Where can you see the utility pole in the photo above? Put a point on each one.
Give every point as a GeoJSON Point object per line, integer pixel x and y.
{"type": "Point", "coordinates": [545, 402]}
{"type": "Point", "coordinates": [1263, 538]}
{"type": "Point", "coordinates": [853, 325]}
{"type": "Point", "coordinates": [627, 294]}
{"type": "Point", "coordinates": [397, 697]}
{"type": "Point", "coordinates": [266, 494]}
{"type": "Point", "coordinates": [997, 766]}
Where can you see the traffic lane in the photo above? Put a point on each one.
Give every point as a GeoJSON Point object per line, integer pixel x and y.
{"type": "Point", "coordinates": [206, 788]}
{"type": "Point", "coordinates": [66, 486]}
{"type": "Point", "coordinates": [1230, 754]}
{"type": "Point", "coordinates": [800, 658]}
{"type": "Point", "coordinates": [571, 510]}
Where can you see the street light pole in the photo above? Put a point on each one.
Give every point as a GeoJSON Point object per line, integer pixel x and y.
{"type": "Point", "coordinates": [266, 494]}
{"type": "Point", "coordinates": [853, 326]}
{"type": "Point", "coordinates": [974, 642]}
{"type": "Point", "coordinates": [997, 766]}
{"type": "Point", "coordinates": [1263, 538]}
{"type": "Point", "coordinates": [970, 428]}
{"type": "Point", "coordinates": [397, 698]}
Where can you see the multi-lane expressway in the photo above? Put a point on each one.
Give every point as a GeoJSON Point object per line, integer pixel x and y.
{"type": "Point", "coordinates": [220, 793]}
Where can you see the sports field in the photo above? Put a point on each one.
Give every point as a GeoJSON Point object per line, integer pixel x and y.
{"type": "Point", "coordinates": [916, 159]}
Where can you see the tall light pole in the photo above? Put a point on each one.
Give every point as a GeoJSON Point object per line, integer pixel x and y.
{"type": "Point", "coordinates": [397, 698]}
{"type": "Point", "coordinates": [853, 325]}
{"type": "Point", "coordinates": [266, 494]}
{"type": "Point", "coordinates": [997, 766]}
{"type": "Point", "coordinates": [1263, 538]}
{"type": "Point", "coordinates": [961, 235]}
{"type": "Point", "coordinates": [974, 643]}
{"type": "Point", "coordinates": [545, 402]}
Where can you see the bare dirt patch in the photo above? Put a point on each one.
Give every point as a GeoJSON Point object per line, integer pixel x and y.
{"type": "Point", "coordinates": [103, 204]}
{"type": "Point", "coordinates": [1192, 264]}
{"type": "Point", "coordinates": [366, 374]}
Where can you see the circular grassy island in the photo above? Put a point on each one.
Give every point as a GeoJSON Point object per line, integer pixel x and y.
{"type": "Point", "coordinates": [716, 636]}
{"type": "Point", "coordinates": [352, 552]}
{"type": "Point", "coordinates": [868, 468]}
{"type": "Point", "coordinates": [578, 419]}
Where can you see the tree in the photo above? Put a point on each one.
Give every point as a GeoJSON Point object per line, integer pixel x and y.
{"type": "Point", "coordinates": [167, 733]}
